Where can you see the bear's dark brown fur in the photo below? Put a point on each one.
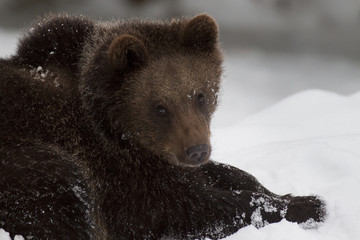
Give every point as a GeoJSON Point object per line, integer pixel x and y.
{"type": "Point", "coordinates": [100, 124]}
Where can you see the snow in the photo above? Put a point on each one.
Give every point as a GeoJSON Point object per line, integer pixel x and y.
{"type": "Point", "coordinates": [306, 144]}
{"type": "Point", "coordinates": [273, 123]}
{"type": "Point", "coordinates": [254, 80]}
{"type": "Point", "coordinates": [6, 236]}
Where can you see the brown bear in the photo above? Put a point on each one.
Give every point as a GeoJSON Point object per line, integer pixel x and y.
{"type": "Point", "coordinates": [105, 130]}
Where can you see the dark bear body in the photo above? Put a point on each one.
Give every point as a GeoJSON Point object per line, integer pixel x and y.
{"type": "Point", "coordinates": [100, 124]}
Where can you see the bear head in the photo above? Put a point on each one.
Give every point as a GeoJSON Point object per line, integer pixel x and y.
{"type": "Point", "coordinates": [154, 85]}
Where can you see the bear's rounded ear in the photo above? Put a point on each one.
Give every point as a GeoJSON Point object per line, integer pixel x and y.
{"type": "Point", "coordinates": [127, 52]}
{"type": "Point", "coordinates": [201, 32]}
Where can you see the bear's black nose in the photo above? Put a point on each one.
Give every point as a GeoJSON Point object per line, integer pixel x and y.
{"type": "Point", "coordinates": [198, 153]}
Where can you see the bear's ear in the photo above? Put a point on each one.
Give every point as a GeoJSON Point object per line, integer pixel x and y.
{"type": "Point", "coordinates": [127, 53]}
{"type": "Point", "coordinates": [201, 33]}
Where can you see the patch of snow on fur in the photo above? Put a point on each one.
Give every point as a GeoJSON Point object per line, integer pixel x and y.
{"type": "Point", "coordinates": [257, 220]}
{"type": "Point", "coordinates": [4, 235]}
{"type": "Point", "coordinates": [19, 237]}
{"type": "Point", "coordinates": [39, 73]}
{"type": "Point", "coordinates": [309, 224]}
{"type": "Point", "coordinates": [264, 204]}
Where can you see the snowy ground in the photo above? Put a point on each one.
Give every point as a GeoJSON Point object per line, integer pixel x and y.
{"type": "Point", "coordinates": [294, 140]}
{"type": "Point", "coordinates": [306, 144]}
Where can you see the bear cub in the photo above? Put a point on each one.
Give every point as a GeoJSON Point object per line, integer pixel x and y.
{"type": "Point", "coordinates": [105, 134]}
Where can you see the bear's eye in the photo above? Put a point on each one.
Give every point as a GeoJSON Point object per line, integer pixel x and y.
{"type": "Point", "coordinates": [161, 110]}
{"type": "Point", "coordinates": [200, 99]}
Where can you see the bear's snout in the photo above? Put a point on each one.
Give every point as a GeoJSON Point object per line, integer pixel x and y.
{"type": "Point", "coordinates": [198, 153]}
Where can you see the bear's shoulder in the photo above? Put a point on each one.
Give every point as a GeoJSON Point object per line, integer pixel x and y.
{"type": "Point", "coordinates": [55, 40]}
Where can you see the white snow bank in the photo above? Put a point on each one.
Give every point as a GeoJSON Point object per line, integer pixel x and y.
{"type": "Point", "coordinates": [306, 144]}
{"type": "Point", "coordinates": [255, 80]}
